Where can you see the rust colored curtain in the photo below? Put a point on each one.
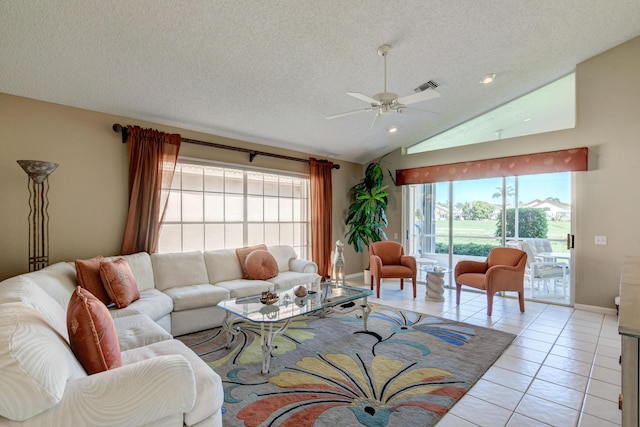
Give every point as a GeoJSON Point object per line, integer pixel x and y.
{"type": "Point", "coordinates": [321, 214]}
{"type": "Point", "coordinates": [152, 162]}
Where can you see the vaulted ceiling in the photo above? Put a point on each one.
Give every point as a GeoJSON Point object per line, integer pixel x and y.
{"type": "Point", "coordinates": [270, 71]}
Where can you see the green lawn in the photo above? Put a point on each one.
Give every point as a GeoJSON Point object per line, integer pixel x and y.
{"type": "Point", "coordinates": [484, 232]}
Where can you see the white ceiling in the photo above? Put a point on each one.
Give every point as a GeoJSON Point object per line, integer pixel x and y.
{"type": "Point", "coordinates": [270, 71]}
{"type": "Point", "coordinates": [550, 108]}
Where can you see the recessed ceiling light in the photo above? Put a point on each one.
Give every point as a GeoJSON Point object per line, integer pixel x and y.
{"type": "Point", "coordinates": [488, 78]}
{"type": "Point", "coordinates": [393, 129]}
{"type": "Point", "coordinates": [527, 119]}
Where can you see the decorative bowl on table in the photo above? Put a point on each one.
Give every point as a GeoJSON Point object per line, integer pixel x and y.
{"type": "Point", "coordinates": [300, 291]}
{"type": "Point", "coordinates": [269, 298]}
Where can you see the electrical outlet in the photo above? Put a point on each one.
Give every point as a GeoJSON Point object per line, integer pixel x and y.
{"type": "Point", "coordinates": [600, 240]}
{"type": "Point", "coordinates": [395, 236]}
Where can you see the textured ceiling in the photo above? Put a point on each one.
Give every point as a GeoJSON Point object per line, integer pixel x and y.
{"type": "Point", "coordinates": [269, 72]}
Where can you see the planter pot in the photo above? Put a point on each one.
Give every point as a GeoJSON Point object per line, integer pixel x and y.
{"type": "Point", "coordinates": [367, 276]}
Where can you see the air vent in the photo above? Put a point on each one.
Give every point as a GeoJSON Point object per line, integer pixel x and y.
{"type": "Point", "coordinates": [428, 85]}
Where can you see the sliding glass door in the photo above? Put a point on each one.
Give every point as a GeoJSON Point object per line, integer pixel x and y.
{"type": "Point", "coordinates": [449, 221]}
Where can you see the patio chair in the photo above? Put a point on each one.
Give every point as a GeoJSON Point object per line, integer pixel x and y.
{"type": "Point", "coordinates": [541, 273]}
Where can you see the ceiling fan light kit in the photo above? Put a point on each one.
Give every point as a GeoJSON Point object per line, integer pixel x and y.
{"type": "Point", "coordinates": [385, 102]}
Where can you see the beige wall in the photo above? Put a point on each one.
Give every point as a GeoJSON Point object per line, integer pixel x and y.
{"type": "Point", "coordinates": [607, 200]}
{"type": "Point", "coordinates": [88, 191]}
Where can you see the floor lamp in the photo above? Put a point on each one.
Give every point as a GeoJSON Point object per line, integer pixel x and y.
{"type": "Point", "coordinates": [38, 185]}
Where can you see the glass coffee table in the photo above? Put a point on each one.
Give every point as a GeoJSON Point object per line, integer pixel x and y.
{"type": "Point", "coordinates": [328, 298]}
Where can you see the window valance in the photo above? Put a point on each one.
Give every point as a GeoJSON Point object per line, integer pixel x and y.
{"type": "Point", "coordinates": [574, 159]}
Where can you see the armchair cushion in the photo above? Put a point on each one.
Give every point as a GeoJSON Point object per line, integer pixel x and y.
{"type": "Point", "coordinates": [475, 280]}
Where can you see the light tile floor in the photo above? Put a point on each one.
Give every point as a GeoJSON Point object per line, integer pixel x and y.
{"type": "Point", "coordinates": [561, 370]}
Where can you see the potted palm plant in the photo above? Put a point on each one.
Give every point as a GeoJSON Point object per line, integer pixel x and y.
{"type": "Point", "coordinates": [367, 217]}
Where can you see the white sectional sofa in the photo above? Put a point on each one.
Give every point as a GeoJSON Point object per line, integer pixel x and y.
{"type": "Point", "coordinates": [161, 381]}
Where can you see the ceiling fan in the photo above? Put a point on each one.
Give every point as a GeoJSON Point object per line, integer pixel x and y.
{"type": "Point", "coordinates": [385, 102]}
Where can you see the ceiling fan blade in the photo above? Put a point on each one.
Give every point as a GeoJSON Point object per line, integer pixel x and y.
{"type": "Point", "coordinates": [373, 123]}
{"type": "Point", "coordinates": [364, 98]}
{"type": "Point", "coordinates": [418, 97]}
{"type": "Point", "coordinates": [348, 113]}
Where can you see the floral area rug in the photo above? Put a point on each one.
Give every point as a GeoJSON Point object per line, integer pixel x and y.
{"type": "Point", "coordinates": [407, 369]}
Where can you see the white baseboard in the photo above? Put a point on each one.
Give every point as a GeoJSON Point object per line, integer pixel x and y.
{"type": "Point", "coordinates": [354, 276]}
{"type": "Point", "coordinates": [594, 309]}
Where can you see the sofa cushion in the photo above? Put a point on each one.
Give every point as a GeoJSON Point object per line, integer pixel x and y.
{"type": "Point", "coordinates": [92, 334]}
{"type": "Point", "coordinates": [208, 384]}
{"type": "Point", "coordinates": [152, 302]}
{"type": "Point", "coordinates": [137, 331]}
{"type": "Point", "coordinates": [288, 279]}
{"type": "Point", "coordinates": [140, 265]}
{"type": "Point", "coordinates": [242, 254]}
{"type": "Point", "coordinates": [244, 288]}
{"type": "Point", "coordinates": [260, 265]}
{"type": "Point", "coordinates": [23, 290]}
{"type": "Point", "coordinates": [88, 272]}
{"type": "Point", "coordinates": [222, 265]}
{"type": "Point", "coordinates": [283, 254]}
{"type": "Point", "coordinates": [197, 319]}
{"type": "Point", "coordinates": [196, 296]}
{"type": "Point", "coordinates": [119, 282]}
{"type": "Point", "coordinates": [36, 363]}
{"type": "Point", "coordinates": [179, 269]}
{"type": "Point", "coordinates": [59, 280]}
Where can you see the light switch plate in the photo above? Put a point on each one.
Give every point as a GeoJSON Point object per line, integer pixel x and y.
{"type": "Point", "coordinates": [600, 240]}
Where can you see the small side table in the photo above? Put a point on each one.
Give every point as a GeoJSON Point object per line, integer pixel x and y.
{"type": "Point", "coordinates": [435, 284]}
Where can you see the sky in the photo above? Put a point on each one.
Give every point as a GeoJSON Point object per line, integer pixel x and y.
{"type": "Point", "coordinates": [530, 187]}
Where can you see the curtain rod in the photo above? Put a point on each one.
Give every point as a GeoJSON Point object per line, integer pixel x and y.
{"type": "Point", "coordinates": [117, 127]}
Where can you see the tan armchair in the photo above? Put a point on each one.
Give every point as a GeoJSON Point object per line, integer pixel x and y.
{"type": "Point", "coordinates": [387, 260]}
{"type": "Point", "coordinates": [502, 271]}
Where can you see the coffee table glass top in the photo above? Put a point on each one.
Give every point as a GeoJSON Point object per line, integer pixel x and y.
{"type": "Point", "coordinates": [289, 305]}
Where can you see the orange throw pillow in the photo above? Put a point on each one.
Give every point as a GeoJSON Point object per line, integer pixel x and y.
{"type": "Point", "coordinates": [261, 265]}
{"type": "Point", "coordinates": [92, 334]}
{"type": "Point", "coordinates": [242, 253]}
{"type": "Point", "coordinates": [88, 273]}
{"type": "Point", "coordinates": [119, 282]}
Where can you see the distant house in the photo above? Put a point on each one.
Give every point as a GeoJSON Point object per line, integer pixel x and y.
{"type": "Point", "coordinates": [442, 212]}
{"type": "Point", "coordinates": [556, 211]}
